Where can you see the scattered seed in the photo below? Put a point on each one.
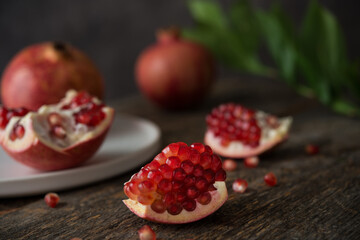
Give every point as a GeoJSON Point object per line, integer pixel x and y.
{"type": "Point", "coordinates": [240, 185]}
{"type": "Point", "coordinates": [146, 233]}
{"type": "Point", "coordinates": [51, 199]}
{"type": "Point", "coordinates": [270, 179]}
{"type": "Point", "coordinates": [229, 165]}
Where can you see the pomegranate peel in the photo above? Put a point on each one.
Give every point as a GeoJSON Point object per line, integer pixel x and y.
{"type": "Point", "coordinates": [182, 184]}
{"type": "Point", "coordinates": [42, 148]}
{"type": "Point", "coordinates": [237, 132]}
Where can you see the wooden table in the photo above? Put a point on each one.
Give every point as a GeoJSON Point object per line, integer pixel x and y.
{"type": "Point", "coordinates": [317, 197]}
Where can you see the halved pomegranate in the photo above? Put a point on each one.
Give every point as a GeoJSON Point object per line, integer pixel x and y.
{"type": "Point", "coordinates": [57, 136]}
{"type": "Point", "coordinates": [182, 184]}
{"type": "Point", "coordinates": [237, 132]}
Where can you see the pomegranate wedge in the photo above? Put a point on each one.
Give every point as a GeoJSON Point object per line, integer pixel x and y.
{"type": "Point", "coordinates": [182, 184]}
{"type": "Point", "coordinates": [57, 136]}
{"type": "Point", "coordinates": [237, 132]}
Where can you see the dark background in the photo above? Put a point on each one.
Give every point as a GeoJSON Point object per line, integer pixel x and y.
{"type": "Point", "coordinates": [113, 33]}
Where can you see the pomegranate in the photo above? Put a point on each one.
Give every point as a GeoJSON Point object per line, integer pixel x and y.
{"type": "Point", "coordinates": [237, 132]}
{"type": "Point", "coordinates": [174, 73]}
{"type": "Point", "coordinates": [42, 73]}
{"type": "Point", "coordinates": [182, 184]}
{"type": "Point", "coordinates": [57, 136]}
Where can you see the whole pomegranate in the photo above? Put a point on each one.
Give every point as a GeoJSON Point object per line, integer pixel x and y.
{"type": "Point", "coordinates": [42, 73]}
{"type": "Point", "coordinates": [175, 73]}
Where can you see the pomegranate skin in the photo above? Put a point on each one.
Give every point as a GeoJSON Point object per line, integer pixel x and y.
{"type": "Point", "coordinates": [42, 73]}
{"type": "Point", "coordinates": [175, 73]}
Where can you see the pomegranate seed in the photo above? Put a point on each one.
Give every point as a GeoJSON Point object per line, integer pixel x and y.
{"type": "Point", "coordinates": [160, 158]}
{"type": "Point", "coordinates": [220, 175]}
{"type": "Point", "coordinates": [229, 165]}
{"type": "Point", "coordinates": [166, 171]}
{"type": "Point", "coordinates": [146, 233]}
{"type": "Point", "coordinates": [204, 198]}
{"type": "Point", "coordinates": [133, 186]}
{"type": "Point", "coordinates": [198, 146]}
{"type": "Point", "coordinates": [169, 199]}
{"type": "Point", "coordinates": [239, 185]}
{"type": "Point", "coordinates": [177, 185]}
{"type": "Point", "coordinates": [83, 118]}
{"type": "Point", "coordinates": [164, 186]}
{"type": "Point", "coordinates": [201, 184]}
{"type": "Point", "coordinates": [205, 159]}
{"type": "Point", "coordinates": [154, 165]}
{"type": "Point", "coordinates": [184, 153]}
{"type": "Point", "coordinates": [145, 199]}
{"type": "Point", "coordinates": [173, 162]}
{"type": "Point", "coordinates": [155, 176]}
{"type": "Point", "coordinates": [270, 179]}
{"type": "Point", "coordinates": [198, 171]}
{"type": "Point", "coordinates": [52, 199]}
{"type": "Point", "coordinates": [189, 205]}
{"type": "Point", "coordinates": [209, 175]}
{"type": "Point", "coordinates": [19, 131]}
{"type": "Point", "coordinates": [192, 192]}
{"type": "Point", "coordinates": [188, 166]}
{"type": "Point", "coordinates": [194, 156]}
{"type": "Point", "coordinates": [142, 174]}
{"type": "Point", "coordinates": [20, 111]}
{"type": "Point", "coordinates": [175, 209]}
{"type": "Point", "coordinates": [189, 180]}
{"type": "Point", "coordinates": [251, 162]}
{"type": "Point", "coordinates": [59, 132]}
{"type": "Point", "coordinates": [312, 149]}
{"type": "Point", "coordinates": [171, 150]}
{"type": "Point", "coordinates": [76, 238]}
{"type": "Point", "coordinates": [158, 206]}
{"type": "Point", "coordinates": [216, 163]}
{"type": "Point", "coordinates": [179, 174]}
{"type": "Point", "coordinates": [146, 187]}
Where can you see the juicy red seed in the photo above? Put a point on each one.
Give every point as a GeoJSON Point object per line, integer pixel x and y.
{"type": "Point", "coordinates": [192, 192]}
{"type": "Point", "coordinates": [180, 197]}
{"type": "Point", "coordinates": [158, 206]}
{"type": "Point", "coordinates": [270, 179]}
{"type": "Point", "coordinates": [128, 192]}
{"type": "Point", "coordinates": [145, 199]}
{"type": "Point", "coordinates": [177, 185]}
{"type": "Point", "coordinates": [189, 180]}
{"type": "Point", "coordinates": [133, 188]}
{"type": "Point", "coordinates": [154, 165]}
{"type": "Point", "coordinates": [208, 149]}
{"type": "Point", "coordinates": [12, 135]}
{"type": "Point", "coordinates": [229, 165]}
{"type": "Point", "coordinates": [169, 199]}
{"type": "Point", "coordinates": [189, 205]}
{"type": "Point", "coordinates": [194, 156]}
{"type": "Point", "coordinates": [184, 153]}
{"type": "Point", "coordinates": [171, 150]}
{"type": "Point", "coordinates": [20, 111]}
{"type": "Point", "coordinates": [220, 175]}
{"type": "Point", "coordinates": [146, 187]}
{"type": "Point", "coordinates": [311, 149]}
{"type": "Point", "coordinates": [164, 186]}
{"type": "Point", "coordinates": [51, 199]}
{"type": "Point", "coordinates": [188, 166]}
{"type": "Point", "coordinates": [211, 188]}
{"type": "Point", "coordinates": [205, 160]}
{"type": "Point", "coordinates": [19, 131]}
{"type": "Point", "coordinates": [251, 162]}
{"type": "Point", "coordinates": [142, 174]}
{"type": "Point", "coordinates": [209, 175]}
{"type": "Point", "coordinates": [96, 118]}
{"type": "Point", "coordinates": [198, 146]}
{"type": "Point", "coordinates": [160, 158]}
{"type": "Point", "coordinates": [81, 98]}
{"type": "Point", "coordinates": [166, 171]}
{"type": "Point", "coordinates": [216, 163]}
{"type": "Point", "coordinates": [3, 111]}
{"type": "Point", "coordinates": [201, 184]}
{"type": "Point", "coordinates": [239, 185]}
{"type": "Point", "coordinates": [179, 174]}
{"type": "Point", "coordinates": [155, 176]}
{"type": "Point", "coordinates": [198, 170]}
{"type": "Point", "coordinates": [175, 209]}
{"type": "Point", "coordinates": [204, 198]}
{"type": "Point", "coordinates": [146, 233]}
{"type": "Point", "coordinates": [173, 162]}
{"type": "Point", "coordinates": [59, 132]}
{"type": "Point", "coordinates": [83, 118]}
{"type": "Point", "coordinates": [54, 119]}
{"type": "Point", "coordinates": [3, 122]}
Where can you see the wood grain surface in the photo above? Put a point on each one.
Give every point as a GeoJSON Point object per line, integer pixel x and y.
{"type": "Point", "coordinates": [317, 197]}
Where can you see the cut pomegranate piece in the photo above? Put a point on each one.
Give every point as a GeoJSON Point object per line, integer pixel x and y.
{"type": "Point", "coordinates": [52, 138]}
{"type": "Point", "coordinates": [184, 192]}
{"type": "Point", "coordinates": [237, 132]}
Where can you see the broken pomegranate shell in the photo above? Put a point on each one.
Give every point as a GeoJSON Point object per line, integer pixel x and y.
{"type": "Point", "coordinates": [182, 184]}
{"type": "Point", "coordinates": [237, 132]}
{"type": "Point", "coordinates": [56, 136]}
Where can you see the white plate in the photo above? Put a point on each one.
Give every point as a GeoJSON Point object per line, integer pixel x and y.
{"type": "Point", "coordinates": [131, 141]}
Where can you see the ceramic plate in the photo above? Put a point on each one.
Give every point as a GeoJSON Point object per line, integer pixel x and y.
{"type": "Point", "coordinates": [130, 142]}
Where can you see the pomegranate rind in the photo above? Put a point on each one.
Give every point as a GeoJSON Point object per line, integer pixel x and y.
{"type": "Point", "coordinates": [236, 149]}
{"type": "Point", "coordinates": [218, 198]}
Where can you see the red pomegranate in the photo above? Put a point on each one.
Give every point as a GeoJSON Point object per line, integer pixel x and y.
{"type": "Point", "coordinates": [42, 73]}
{"type": "Point", "coordinates": [174, 73]}
{"type": "Point", "coordinates": [182, 184]}
{"type": "Point", "coordinates": [57, 136]}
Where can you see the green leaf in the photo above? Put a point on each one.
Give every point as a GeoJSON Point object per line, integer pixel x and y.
{"type": "Point", "coordinates": [207, 13]}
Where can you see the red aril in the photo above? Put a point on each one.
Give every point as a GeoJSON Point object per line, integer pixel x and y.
{"type": "Point", "coordinates": [229, 165]}
{"type": "Point", "coordinates": [251, 162]}
{"type": "Point", "coordinates": [174, 73]}
{"type": "Point", "coordinates": [312, 149]}
{"type": "Point", "coordinates": [146, 233]}
{"type": "Point", "coordinates": [237, 132]}
{"type": "Point", "coordinates": [270, 179]}
{"type": "Point", "coordinates": [240, 185]}
{"type": "Point", "coordinates": [53, 138]}
{"type": "Point", "coordinates": [52, 199]}
{"type": "Point", "coordinates": [186, 192]}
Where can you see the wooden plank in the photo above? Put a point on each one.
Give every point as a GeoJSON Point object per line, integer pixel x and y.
{"type": "Point", "coordinates": [317, 197]}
